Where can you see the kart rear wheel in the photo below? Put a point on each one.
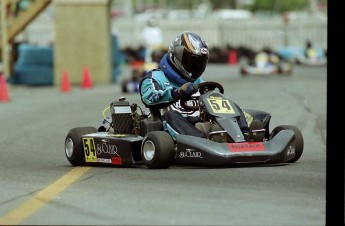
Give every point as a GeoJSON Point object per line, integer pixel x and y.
{"type": "Point", "coordinates": [157, 150]}
{"type": "Point", "coordinates": [73, 144]}
{"type": "Point", "coordinates": [299, 142]}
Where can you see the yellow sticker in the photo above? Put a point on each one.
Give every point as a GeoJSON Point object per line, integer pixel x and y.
{"type": "Point", "coordinates": [89, 150]}
{"type": "Point", "coordinates": [221, 106]}
{"type": "Point", "coordinates": [118, 135]}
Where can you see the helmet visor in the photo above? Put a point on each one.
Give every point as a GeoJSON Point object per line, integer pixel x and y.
{"type": "Point", "coordinates": [194, 64]}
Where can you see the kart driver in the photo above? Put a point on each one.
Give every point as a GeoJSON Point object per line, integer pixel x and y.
{"type": "Point", "coordinates": [179, 71]}
{"type": "Point", "coordinates": [310, 51]}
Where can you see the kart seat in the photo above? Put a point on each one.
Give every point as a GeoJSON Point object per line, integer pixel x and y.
{"type": "Point", "coordinates": [204, 127]}
{"type": "Point", "coordinates": [153, 123]}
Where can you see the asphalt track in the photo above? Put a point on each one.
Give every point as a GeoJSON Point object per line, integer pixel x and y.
{"type": "Point", "coordinates": [39, 186]}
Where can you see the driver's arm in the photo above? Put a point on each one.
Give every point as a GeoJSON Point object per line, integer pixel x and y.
{"type": "Point", "coordinates": [152, 92]}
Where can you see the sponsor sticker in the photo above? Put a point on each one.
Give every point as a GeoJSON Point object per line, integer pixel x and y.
{"type": "Point", "coordinates": [117, 135]}
{"type": "Point", "coordinates": [246, 147]}
{"type": "Point", "coordinates": [190, 153]}
{"type": "Point", "coordinates": [104, 160]}
{"type": "Point", "coordinates": [122, 109]}
{"type": "Point", "coordinates": [116, 161]}
{"type": "Point", "coordinates": [220, 105]}
{"type": "Point", "coordinates": [89, 150]}
{"type": "Point", "coordinates": [106, 148]}
{"type": "Point", "coordinates": [290, 151]}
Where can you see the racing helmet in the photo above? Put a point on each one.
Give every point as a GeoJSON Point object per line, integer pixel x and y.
{"type": "Point", "coordinates": [188, 53]}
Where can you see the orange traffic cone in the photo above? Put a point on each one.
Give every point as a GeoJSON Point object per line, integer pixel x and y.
{"type": "Point", "coordinates": [65, 83]}
{"type": "Point", "coordinates": [232, 57]}
{"type": "Point", "coordinates": [86, 82]}
{"type": "Point", "coordinates": [4, 95]}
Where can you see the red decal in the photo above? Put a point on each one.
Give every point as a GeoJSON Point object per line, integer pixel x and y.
{"type": "Point", "coordinates": [246, 147]}
{"type": "Point", "coordinates": [116, 160]}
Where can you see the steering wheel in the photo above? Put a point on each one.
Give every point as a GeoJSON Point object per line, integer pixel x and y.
{"type": "Point", "coordinates": [203, 88]}
{"type": "Point", "coordinates": [208, 86]}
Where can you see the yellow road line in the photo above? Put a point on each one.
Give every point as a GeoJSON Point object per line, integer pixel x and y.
{"type": "Point", "coordinates": [43, 197]}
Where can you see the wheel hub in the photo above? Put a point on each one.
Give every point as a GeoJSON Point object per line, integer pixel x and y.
{"type": "Point", "coordinates": [69, 147]}
{"type": "Point", "coordinates": [149, 150]}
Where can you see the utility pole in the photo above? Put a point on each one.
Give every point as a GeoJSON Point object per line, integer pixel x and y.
{"type": "Point", "coordinates": [4, 49]}
{"type": "Point", "coordinates": [313, 6]}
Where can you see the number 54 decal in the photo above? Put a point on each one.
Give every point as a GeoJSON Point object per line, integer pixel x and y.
{"type": "Point", "coordinates": [221, 106]}
{"type": "Point", "coordinates": [89, 150]}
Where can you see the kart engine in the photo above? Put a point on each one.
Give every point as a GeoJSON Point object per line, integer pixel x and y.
{"type": "Point", "coordinates": [126, 120]}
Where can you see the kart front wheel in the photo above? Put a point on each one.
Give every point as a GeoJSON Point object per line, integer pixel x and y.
{"type": "Point", "coordinates": [73, 144]}
{"type": "Point", "coordinates": [299, 142]}
{"type": "Point", "coordinates": [157, 150]}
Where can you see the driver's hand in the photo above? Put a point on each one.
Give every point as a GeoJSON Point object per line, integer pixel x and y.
{"type": "Point", "coordinates": [185, 90]}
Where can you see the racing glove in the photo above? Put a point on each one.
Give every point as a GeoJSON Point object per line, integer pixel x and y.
{"type": "Point", "coordinates": [185, 90]}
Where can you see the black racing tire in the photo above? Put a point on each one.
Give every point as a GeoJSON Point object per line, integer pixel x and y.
{"type": "Point", "coordinates": [74, 146]}
{"type": "Point", "coordinates": [299, 142]}
{"type": "Point", "coordinates": [157, 150]}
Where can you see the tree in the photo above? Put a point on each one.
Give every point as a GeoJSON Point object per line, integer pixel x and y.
{"type": "Point", "coordinates": [279, 6]}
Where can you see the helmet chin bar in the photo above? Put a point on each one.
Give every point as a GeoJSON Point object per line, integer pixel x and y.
{"type": "Point", "coordinates": [179, 66]}
{"type": "Point", "coordinates": [185, 74]}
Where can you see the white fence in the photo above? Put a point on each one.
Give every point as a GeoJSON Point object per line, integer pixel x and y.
{"type": "Point", "coordinates": [250, 33]}
{"type": "Point", "coordinates": [254, 33]}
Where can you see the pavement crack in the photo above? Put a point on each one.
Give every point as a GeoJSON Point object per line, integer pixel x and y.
{"type": "Point", "coordinates": [20, 196]}
{"type": "Point", "coordinates": [95, 174]}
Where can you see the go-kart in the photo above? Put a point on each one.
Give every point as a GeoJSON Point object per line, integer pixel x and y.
{"type": "Point", "coordinates": [266, 64]}
{"type": "Point", "coordinates": [131, 137]}
{"type": "Point", "coordinates": [311, 58]}
{"type": "Point", "coordinates": [305, 57]}
{"type": "Point", "coordinates": [139, 70]}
